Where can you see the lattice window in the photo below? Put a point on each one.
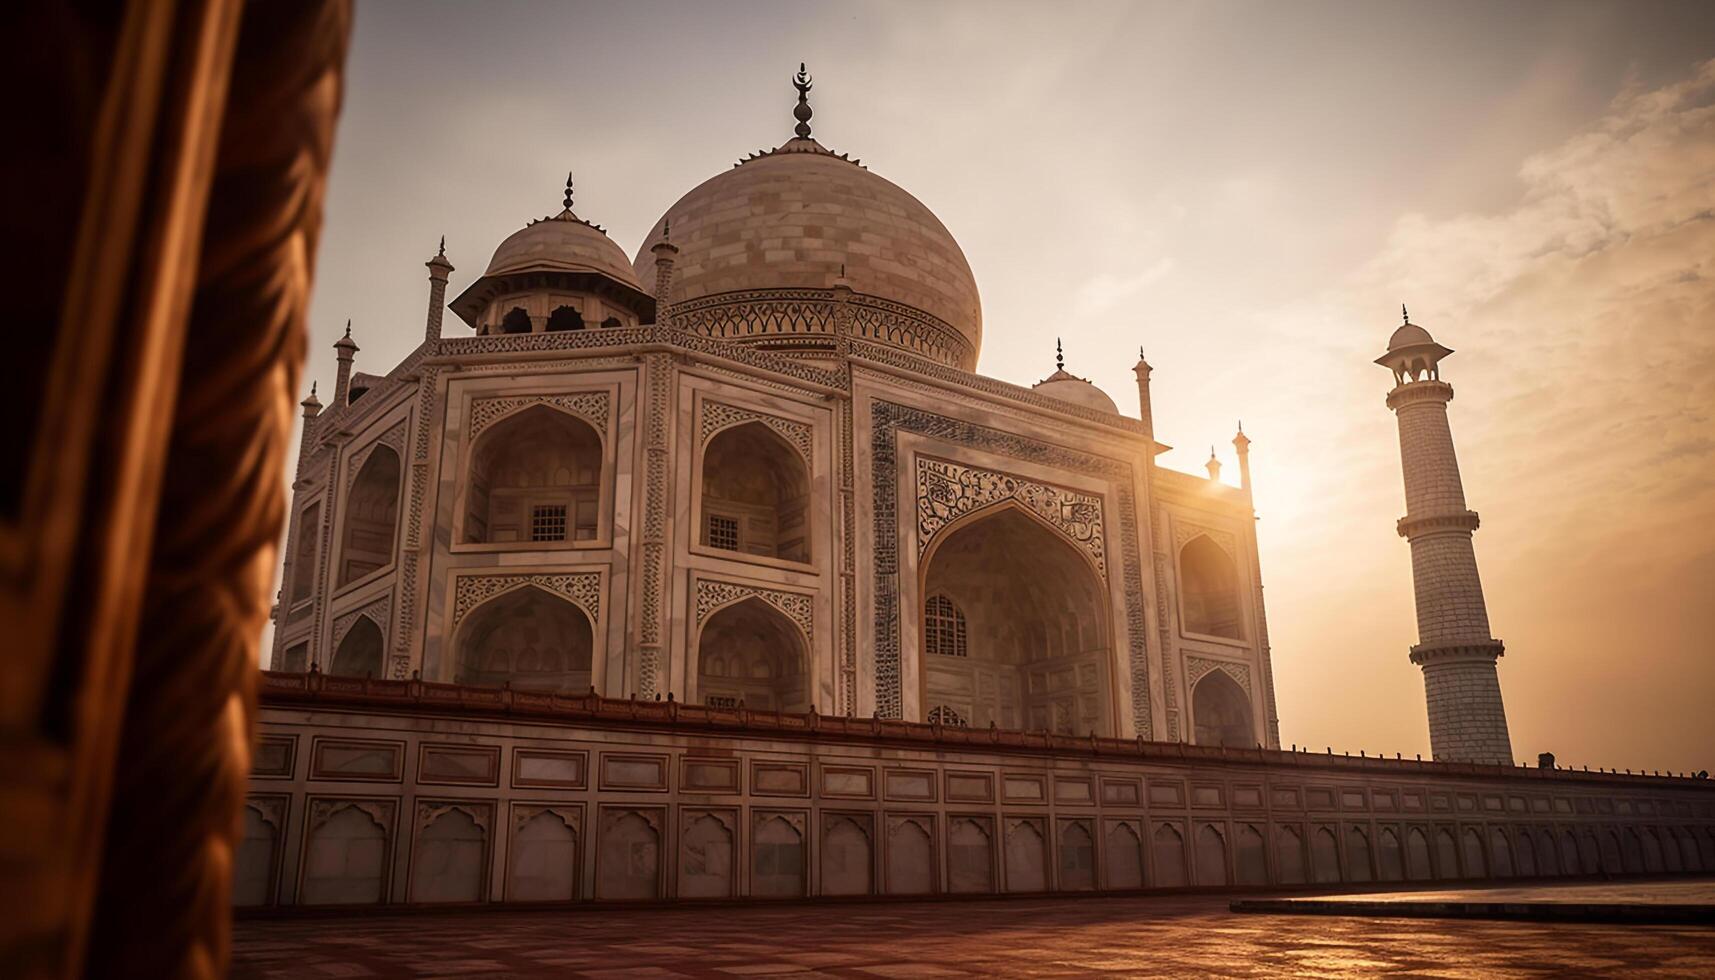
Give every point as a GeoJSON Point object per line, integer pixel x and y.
{"type": "Point", "coordinates": [943, 715]}
{"type": "Point", "coordinates": [720, 701]}
{"type": "Point", "coordinates": [548, 522]}
{"type": "Point", "coordinates": [943, 627]}
{"type": "Point", "coordinates": [723, 532]}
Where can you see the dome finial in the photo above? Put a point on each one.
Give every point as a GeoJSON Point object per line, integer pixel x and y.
{"type": "Point", "coordinates": [1059, 356]}
{"type": "Point", "coordinates": [443, 250]}
{"type": "Point", "coordinates": [568, 191]}
{"type": "Point", "coordinates": [1404, 316]}
{"type": "Point", "coordinates": [801, 82]}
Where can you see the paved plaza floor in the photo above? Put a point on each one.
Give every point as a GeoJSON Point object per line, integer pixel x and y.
{"type": "Point", "coordinates": [1175, 936]}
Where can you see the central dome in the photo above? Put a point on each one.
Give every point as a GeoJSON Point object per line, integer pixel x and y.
{"type": "Point", "coordinates": [762, 246]}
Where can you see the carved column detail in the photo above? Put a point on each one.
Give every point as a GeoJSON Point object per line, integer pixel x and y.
{"type": "Point", "coordinates": [658, 380]}
{"type": "Point", "coordinates": [412, 552]}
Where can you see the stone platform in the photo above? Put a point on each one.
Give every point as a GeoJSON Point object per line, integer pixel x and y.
{"type": "Point", "coordinates": [1633, 902]}
{"type": "Point", "coordinates": [1166, 935]}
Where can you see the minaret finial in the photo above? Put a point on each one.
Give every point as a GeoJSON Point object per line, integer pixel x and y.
{"type": "Point", "coordinates": [1059, 356]}
{"type": "Point", "coordinates": [667, 230]}
{"type": "Point", "coordinates": [348, 326]}
{"type": "Point", "coordinates": [801, 82]}
{"type": "Point", "coordinates": [443, 249]}
{"type": "Point", "coordinates": [568, 191]}
{"type": "Point", "coordinates": [312, 389]}
{"type": "Point", "coordinates": [1404, 316]}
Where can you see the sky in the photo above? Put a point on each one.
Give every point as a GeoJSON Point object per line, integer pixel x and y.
{"type": "Point", "coordinates": [1248, 191]}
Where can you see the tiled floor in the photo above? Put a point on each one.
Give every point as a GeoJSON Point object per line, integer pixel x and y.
{"type": "Point", "coordinates": [1184, 936]}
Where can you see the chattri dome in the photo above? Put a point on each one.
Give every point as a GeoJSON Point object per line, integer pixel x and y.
{"type": "Point", "coordinates": [1408, 335]}
{"type": "Point", "coordinates": [562, 243]}
{"type": "Point", "coordinates": [1071, 388]}
{"type": "Point", "coordinates": [785, 226]}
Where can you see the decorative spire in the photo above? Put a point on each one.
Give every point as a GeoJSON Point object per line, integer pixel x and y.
{"type": "Point", "coordinates": [801, 82]}
{"type": "Point", "coordinates": [442, 252]}
{"type": "Point", "coordinates": [1213, 465]}
{"type": "Point", "coordinates": [568, 191]}
{"type": "Point", "coordinates": [1059, 356]}
{"type": "Point", "coordinates": [1404, 316]}
{"type": "Point", "coordinates": [667, 230]}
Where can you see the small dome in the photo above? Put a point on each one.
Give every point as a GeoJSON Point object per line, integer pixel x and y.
{"type": "Point", "coordinates": [563, 243]}
{"type": "Point", "coordinates": [1071, 388]}
{"type": "Point", "coordinates": [1409, 335]}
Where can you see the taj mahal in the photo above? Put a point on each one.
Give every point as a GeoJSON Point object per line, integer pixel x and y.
{"type": "Point", "coordinates": [715, 571]}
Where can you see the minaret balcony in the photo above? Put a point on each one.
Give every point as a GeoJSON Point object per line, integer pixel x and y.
{"type": "Point", "coordinates": [1483, 651]}
{"type": "Point", "coordinates": [1411, 526]}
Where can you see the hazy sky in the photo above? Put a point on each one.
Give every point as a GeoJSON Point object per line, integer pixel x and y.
{"type": "Point", "coordinates": [1246, 190]}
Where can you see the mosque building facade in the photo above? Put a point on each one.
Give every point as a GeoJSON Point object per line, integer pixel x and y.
{"type": "Point", "coordinates": [716, 571]}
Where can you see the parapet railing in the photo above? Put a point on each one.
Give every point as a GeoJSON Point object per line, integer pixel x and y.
{"type": "Point", "coordinates": [318, 690]}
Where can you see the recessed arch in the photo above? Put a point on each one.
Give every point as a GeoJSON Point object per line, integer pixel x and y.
{"type": "Point", "coordinates": [565, 318]}
{"type": "Point", "coordinates": [1358, 856]}
{"type": "Point", "coordinates": [1211, 856]}
{"type": "Point", "coordinates": [1221, 711]}
{"type": "Point", "coordinates": [755, 494]}
{"type": "Point", "coordinates": [749, 651]}
{"type": "Point", "coordinates": [1209, 590]}
{"type": "Point", "coordinates": [535, 479]}
{"type": "Point", "coordinates": [371, 516]}
{"type": "Point", "coordinates": [516, 320]}
{"type": "Point", "coordinates": [1038, 644]}
{"type": "Point", "coordinates": [360, 650]}
{"type": "Point", "coordinates": [544, 859]}
{"type": "Point", "coordinates": [528, 638]}
{"type": "Point", "coordinates": [304, 553]}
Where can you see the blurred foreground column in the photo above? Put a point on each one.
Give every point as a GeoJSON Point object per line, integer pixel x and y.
{"type": "Point", "coordinates": [163, 201]}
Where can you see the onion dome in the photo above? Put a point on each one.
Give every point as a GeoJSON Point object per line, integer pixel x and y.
{"type": "Point", "coordinates": [762, 246]}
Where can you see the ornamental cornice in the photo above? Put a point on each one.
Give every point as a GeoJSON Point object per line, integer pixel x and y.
{"type": "Point", "coordinates": [947, 491]}
{"type": "Point", "coordinates": [1481, 651]}
{"type": "Point", "coordinates": [719, 416]}
{"type": "Point", "coordinates": [1196, 668]}
{"type": "Point", "coordinates": [1418, 392]}
{"type": "Point", "coordinates": [714, 595]}
{"type": "Point", "coordinates": [1410, 527]}
{"type": "Point", "coordinates": [581, 589]}
{"type": "Point", "coordinates": [591, 406]}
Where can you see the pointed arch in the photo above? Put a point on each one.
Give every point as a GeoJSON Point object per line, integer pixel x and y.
{"type": "Point", "coordinates": [1476, 865]}
{"type": "Point", "coordinates": [528, 638]}
{"type": "Point", "coordinates": [1122, 858]}
{"type": "Point", "coordinates": [755, 494]}
{"type": "Point", "coordinates": [750, 652]}
{"type": "Point", "coordinates": [1324, 856]}
{"type": "Point", "coordinates": [777, 868]}
{"type": "Point", "coordinates": [1209, 590]}
{"type": "Point", "coordinates": [345, 859]}
{"type": "Point", "coordinates": [371, 516]}
{"type": "Point", "coordinates": [705, 864]}
{"type": "Point", "coordinates": [1221, 712]}
{"type": "Point", "coordinates": [1211, 856]}
{"type": "Point", "coordinates": [1358, 856]}
{"type": "Point", "coordinates": [1077, 871]}
{"type": "Point", "coordinates": [1250, 857]}
{"type": "Point", "coordinates": [848, 859]}
{"type": "Point", "coordinates": [970, 856]}
{"type": "Point", "coordinates": [1501, 849]}
{"type": "Point", "coordinates": [1167, 847]}
{"type": "Point", "coordinates": [360, 651]}
{"type": "Point", "coordinates": [1446, 855]}
{"type": "Point", "coordinates": [449, 858]}
{"type": "Point", "coordinates": [1037, 614]}
{"type": "Point", "coordinates": [544, 860]}
{"type": "Point", "coordinates": [565, 318]}
{"type": "Point", "coordinates": [910, 858]}
{"type": "Point", "coordinates": [1418, 865]}
{"type": "Point", "coordinates": [516, 320]}
{"type": "Point", "coordinates": [1289, 856]}
{"type": "Point", "coordinates": [1390, 859]}
{"type": "Point", "coordinates": [305, 553]}
{"type": "Point", "coordinates": [534, 478]}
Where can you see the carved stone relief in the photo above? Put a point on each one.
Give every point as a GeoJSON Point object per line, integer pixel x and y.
{"type": "Point", "coordinates": [581, 589]}
{"type": "Point", "coordinates": [1184, 531]}
{"type": "Point", "coordinates": [718, 416]}
{"type": "Point", "coordinates": [713, 595]}
{"type": "Point", "coordinates": [378, 611]}
{"type": "Point", "coordinates": [393, 438]}
{"type": "Point", "coordinates": [947, 491]}
{"type": "Point", "coordinates": [591, 406]}
{"type": "Point", "coordinates": [1196, 668]}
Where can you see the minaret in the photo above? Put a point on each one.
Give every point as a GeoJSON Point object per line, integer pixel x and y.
{"type": "Point", "coordinates": [344, 348]}
{"type": "Point", "coordinates": [665, 252]}
{"type": "Point", "coordinates": [438, 269]}
{"type": "Point", "coordinates": [1145, 411]}
{"type": "Point", "coordinates": [1467, 722]}
{"type": "Point", "coordinates": [1242, 446]}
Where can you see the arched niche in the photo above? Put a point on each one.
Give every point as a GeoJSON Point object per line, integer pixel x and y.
{"type": "Point", "coordinates": [1038, 645]}
{"type": "Point", "coordinates": [1324, 856]}
{"type": "Point", "coordinates": [371, 516]}
{"type": "Point", "coordinates": [777, 869]}
{"type": "Point", "coordinates": [345, 860]}
{"type": "Point", "coordinates": [1077, 857]}
{"type": "Point", "coordinates": [1358, 857]}
{"type": "Point", "coordinates": [516, 320]}
{"type": "Point", "coordinates": [360, 651]}
{"type": "Point", "coordinates": [705, 863]}
{"type": "Point", "coordinates": [253, 864]}
{"type": "Point", "coordinates": [970, 856]}
{"type": "Point", "coordinates": [1026, 869]}
{"type": "Point", "coordinates": [528, 638]}
{"type": "Point", "coordinates": [534, 478]}
{"type": "Point", "coordinates": [565, 318]}
{"type": "Point", "coordinates": [304, 553]}
{"type": "Point", "coordinates": [1209, 590]}
{"type": "Point", "coordinates": [544, 860]}
{"type": "Point", "coordinates": [1476, 864]}
{"type": "Point", "coordinates": [1390, 860]}
{"type": "Point", "coordinates": [847, 858]}
{"type": "Point", "coordinates": [1446, 855]}
{"type": "Point", "coordinates": [750, 652]}
{"type": "Point", "coordinates": [1289, 856]}
{"type": "Point", "coordinates": [1250, 858]}
{"type": "Point", "coordinates": [1211, 856]}
{"type": "Point", "coordinates": [628, 864]}
{"type": "Point", "coordinates": [1418, 864]}
{"type": "Point", "coordinates": [449, 858]}
{"type": "Point", "coordinates": [1221, 711]}
{"type": "Point", "coordinates": [910, 858]}
{"type": "Point", "coordinates": [1167, 847]}
{"type": "Point", "coordinates": [755, 494]}
{"type": "Point", "coordinates": [1122, 858]}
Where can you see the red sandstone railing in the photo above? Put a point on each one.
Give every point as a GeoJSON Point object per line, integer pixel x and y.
{"type": "Point", "coordinates": [312, 690]}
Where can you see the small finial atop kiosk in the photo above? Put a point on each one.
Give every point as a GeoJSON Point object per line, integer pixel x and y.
{"type": "Point", "coordinates": [801, 82]}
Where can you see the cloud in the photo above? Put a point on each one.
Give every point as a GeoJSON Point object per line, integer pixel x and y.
{"type": "Point", "coordinates": [1103, 293]}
